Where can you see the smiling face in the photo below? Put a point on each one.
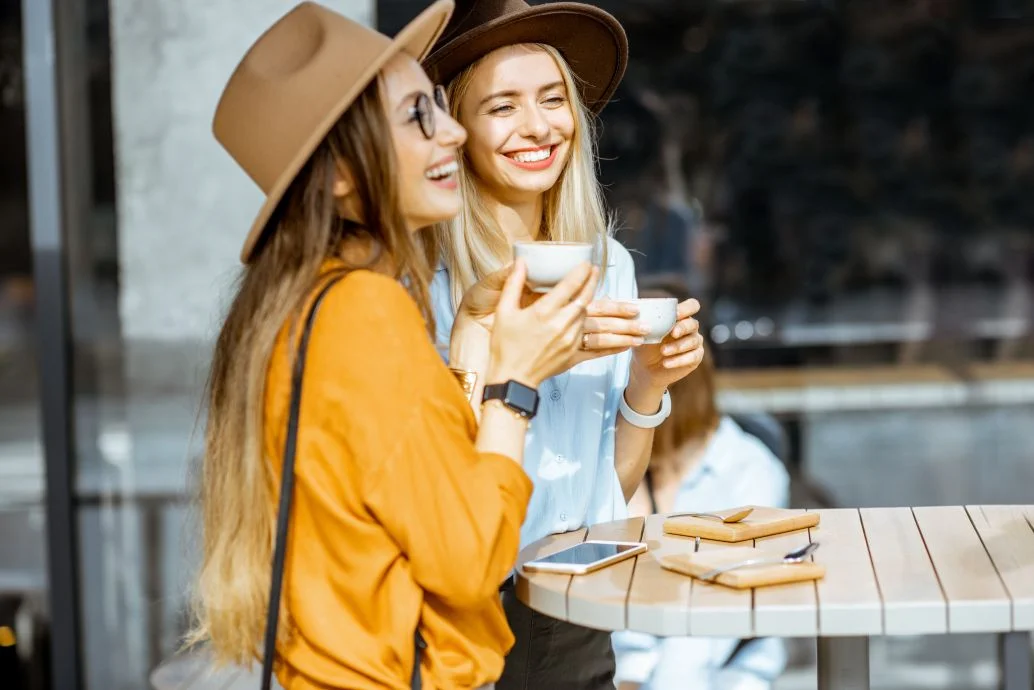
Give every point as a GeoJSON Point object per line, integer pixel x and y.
{"type": "Point", "coordinates": [426, 142]}
{"type": "Point", "coordinates": [519, 121]}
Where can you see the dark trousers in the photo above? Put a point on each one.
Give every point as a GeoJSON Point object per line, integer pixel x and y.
{"type": "Point", "coordinates": [550, 654]}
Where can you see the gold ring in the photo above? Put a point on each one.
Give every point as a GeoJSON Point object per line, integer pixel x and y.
{"type": "Point", "coordinates": [585, 341]}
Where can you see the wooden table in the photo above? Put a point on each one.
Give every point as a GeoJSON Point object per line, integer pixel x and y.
{"type": "Point", "coordinates": [890, 571]}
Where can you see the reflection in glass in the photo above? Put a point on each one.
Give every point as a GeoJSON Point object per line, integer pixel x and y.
{"type": "Point", "coordinates": [23, 577]}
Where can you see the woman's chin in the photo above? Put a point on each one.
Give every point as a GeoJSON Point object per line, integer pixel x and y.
{"type": "Point", "coordinates": [433, 217]}
{"type": "Point", "coordinates": [526, 183]}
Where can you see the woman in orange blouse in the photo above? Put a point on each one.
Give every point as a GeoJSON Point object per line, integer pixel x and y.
{"type": "Point", "coordinates": [406, 514]}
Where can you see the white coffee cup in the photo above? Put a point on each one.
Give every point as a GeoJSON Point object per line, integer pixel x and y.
{"type": "Point", "coordinates": [549, 262]}
{"type": "Point", "coordinates": [658, 314]}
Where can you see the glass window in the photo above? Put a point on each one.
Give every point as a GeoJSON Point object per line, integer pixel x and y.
{"type": "Point", "coordinates": [23, 576]}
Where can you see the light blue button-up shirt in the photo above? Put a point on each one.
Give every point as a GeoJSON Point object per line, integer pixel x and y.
{"type": "Point", "coordinates": [569, 452]}
{"type": "Point", "coordinates": [737, 469]}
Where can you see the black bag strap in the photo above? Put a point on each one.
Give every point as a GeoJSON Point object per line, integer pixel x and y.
{"type": "Point", "coordinates": [284, 509]}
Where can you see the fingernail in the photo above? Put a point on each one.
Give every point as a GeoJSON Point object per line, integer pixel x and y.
{"type": "Point", "coordinates": [639, 341]}
{"type": "Point", "coordinates": [667, 364]}
{"type": "Point", "coordinates": [644, 329]}
{"type": "Point", "coordinates": [667, 350]}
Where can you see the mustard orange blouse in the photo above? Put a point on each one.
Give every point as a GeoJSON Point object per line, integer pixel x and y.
{"type": "Point", "coordinates": [398, 520]}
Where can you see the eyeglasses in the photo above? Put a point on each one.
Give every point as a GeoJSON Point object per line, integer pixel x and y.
{"type": "Point", "coordinates": [423, 111]}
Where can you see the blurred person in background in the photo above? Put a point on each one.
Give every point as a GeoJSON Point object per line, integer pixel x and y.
{"type": "Point", "coordinates": [702, 460]}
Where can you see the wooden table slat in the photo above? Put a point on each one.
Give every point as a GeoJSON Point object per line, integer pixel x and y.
{"type": "Point", "coordinates": [547, 592]}
{"type": "Point", "coordinates": [977, 600]}
{"type": "Point", "coordinates": [1009, 539]}
{"type": "Point", "coordinates": [913, 602]}
{"type": "Point", "coordinates": [833, 377]}
{"type": "Point", "coordinates": [789, 610]}
{"type": "Point", "coordinates": [658, 599]}
{"type": "Point", "coordinates": [716, 610]}
{"type": "Point", "coordinates": [598, 600]}
{"type": "Point", "coordinates": [848, 597]}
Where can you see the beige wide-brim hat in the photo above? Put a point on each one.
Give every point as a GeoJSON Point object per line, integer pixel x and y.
{"type": "Point", "coordinates": [591, 40]}
{"type": "Point", "coordinates": [295, 83]}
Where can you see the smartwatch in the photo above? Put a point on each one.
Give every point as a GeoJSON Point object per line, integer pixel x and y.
{"type": "Point", "coordinates": [522, 399]}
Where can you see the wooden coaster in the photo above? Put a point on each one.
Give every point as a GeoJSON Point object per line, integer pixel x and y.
{"type": "Point", "coordinates": [696, 564]}
{"type": "Point", "coordinates": [763, 522]}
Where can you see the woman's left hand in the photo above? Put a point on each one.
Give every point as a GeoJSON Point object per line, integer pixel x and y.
{"type": "Point", "coordinates": [658, 366]}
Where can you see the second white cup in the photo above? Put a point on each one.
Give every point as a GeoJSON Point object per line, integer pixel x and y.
{"type": "Point", "coordinates": [659, 314]}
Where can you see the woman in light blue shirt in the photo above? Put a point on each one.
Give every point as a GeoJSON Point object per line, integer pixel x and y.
{"type": "Point", "coordinates": [569, 451]}
{"type": "Point", "coordinates": [703, 461]}
{"type": "Point", "coordinates": [528, 173]}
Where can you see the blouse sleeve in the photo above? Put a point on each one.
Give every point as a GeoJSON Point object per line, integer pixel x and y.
{"type": "Point", "coordinates": [456, 513]}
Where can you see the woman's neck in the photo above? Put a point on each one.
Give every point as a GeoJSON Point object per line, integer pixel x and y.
{"type": "Point", "coordinates": [674, 466]}
{"type": "Point", "coordinates": [520, 221]}
{"type": "Point", "coordinates": [363, 250]}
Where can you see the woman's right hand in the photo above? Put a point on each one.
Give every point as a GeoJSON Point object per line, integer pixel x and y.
{"type": "Point", "coordinates": [530, 344]}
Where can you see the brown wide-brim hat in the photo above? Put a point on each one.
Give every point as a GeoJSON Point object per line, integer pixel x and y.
{"type": "Point", "coordinates": [592, 41]}
{"type": "Point", "coordinates": [295, 83]}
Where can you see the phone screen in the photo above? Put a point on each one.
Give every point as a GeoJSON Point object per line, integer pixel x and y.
{"type": "Point", "coordinates": [586, 553]}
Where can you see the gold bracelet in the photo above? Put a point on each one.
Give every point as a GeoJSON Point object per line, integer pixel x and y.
{"type": "Point", "coordinates": [503, 406]}
{"type": "Point", "coordinates": [467, 381]}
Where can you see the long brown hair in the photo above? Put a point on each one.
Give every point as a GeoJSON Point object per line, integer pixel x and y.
{"type": "Point", "coordinates": [694, 413]}
{"type": "Point", "coordinates": [237, 480]}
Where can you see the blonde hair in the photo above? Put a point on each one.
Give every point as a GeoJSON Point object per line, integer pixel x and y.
{"type": "Point", "coordinates": [238, 480]}
{"type": "Point", "coordinates": [473, 244]}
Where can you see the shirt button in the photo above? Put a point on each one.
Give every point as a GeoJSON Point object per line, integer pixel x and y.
{"type": "Point", "coordinates": [563, 516]}
{"type": "Point", "coordinates": [560, 458]}
{"type": "Point", "coordinates": [555, 395]}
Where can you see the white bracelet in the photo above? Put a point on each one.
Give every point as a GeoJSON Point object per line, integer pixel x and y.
{"type": "Point", "coordinates": [644, 421]}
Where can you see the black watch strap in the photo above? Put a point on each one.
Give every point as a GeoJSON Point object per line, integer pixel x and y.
{"type": "Point", "coordinates": [524, 400]}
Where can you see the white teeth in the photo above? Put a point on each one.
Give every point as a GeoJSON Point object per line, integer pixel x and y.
{"type": "Point", "coordinates": [532, 156]}
{"type": "Point", "coordinates": [440, 172]}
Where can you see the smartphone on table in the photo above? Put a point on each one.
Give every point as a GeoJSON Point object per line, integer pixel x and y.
{"type": "Point", "coordinates": [586, 557]}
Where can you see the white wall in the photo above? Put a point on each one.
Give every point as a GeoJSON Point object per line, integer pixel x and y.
{"type": "Point", "coordinates": [183, 210]}
{"type": "Point", "coordinates": [184, 206]}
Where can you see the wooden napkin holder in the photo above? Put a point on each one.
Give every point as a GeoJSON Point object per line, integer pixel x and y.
{"type": "Point", "coordinates": [697, 564]}
{"type": "Point", "coordinates": [763, 522]}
